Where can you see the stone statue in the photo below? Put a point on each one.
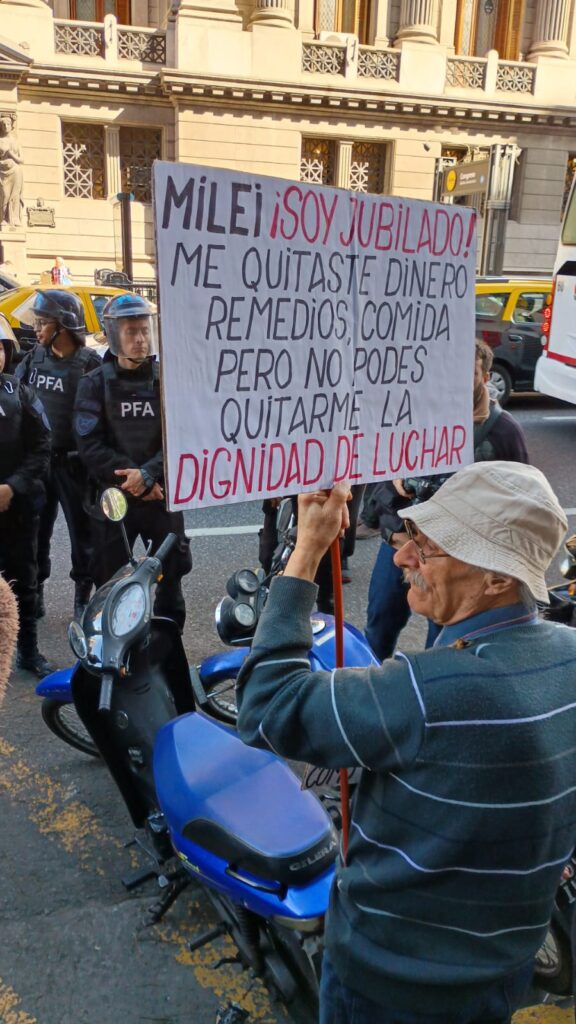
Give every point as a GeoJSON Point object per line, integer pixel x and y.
{"type": "Point", "coordinates": [11, 174]}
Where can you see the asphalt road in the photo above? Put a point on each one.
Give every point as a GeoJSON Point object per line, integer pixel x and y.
{"type": "Point", "coordinates": [74, 949]}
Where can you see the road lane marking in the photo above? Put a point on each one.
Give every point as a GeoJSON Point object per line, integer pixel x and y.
{"type": "Point", "coordinates": [55, 810]}
{"type": "Point", "coordinates": [222, 531]}
{"type": "Point", "coordinates": [59, 815]}
{"type": "Point", "coordinates": [228, 982]}
{"type": "Point", "coordinates": [9, 1011]}
{"type": "Point", "coordinates": [543, 1015]}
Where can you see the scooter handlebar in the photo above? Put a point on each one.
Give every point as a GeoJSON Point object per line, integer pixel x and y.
{"type": "Point", "coordinates": [105, 702]}
{"type": "Point", "coordinates": [165, 548]}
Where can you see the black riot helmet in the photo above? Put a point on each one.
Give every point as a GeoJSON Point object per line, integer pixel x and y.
{"type": "Point", "coordinates": [131, 327]}
{"type": "Point", "coordinates": [58, 304]}
{"type": "Point", "coordinates": [9, 343]}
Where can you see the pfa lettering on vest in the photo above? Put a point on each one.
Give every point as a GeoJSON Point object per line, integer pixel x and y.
{"type": "Point", "coordinates": [136, 409]}
{"type": "Point", "coordinates": [49, 383]}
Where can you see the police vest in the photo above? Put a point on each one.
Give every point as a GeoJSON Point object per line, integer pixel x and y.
{"type": "Point", "coordinates": [133, 412]}
{"type": "Point", "coordinates": [11, 441]}
{"type": "Point", "coordinates": [56, 381]}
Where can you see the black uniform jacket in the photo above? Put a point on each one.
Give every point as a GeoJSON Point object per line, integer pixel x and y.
{"type": "Point", "coordinates": [117, 422]}
{"type": "Point", "coordinates": [24, 439]}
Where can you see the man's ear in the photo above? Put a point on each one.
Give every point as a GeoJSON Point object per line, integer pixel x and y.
{"type": "Point", "coordinates": [497, 584]}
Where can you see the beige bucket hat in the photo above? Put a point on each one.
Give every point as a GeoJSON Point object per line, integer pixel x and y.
{"type": "Point", "coordinates": [496, 515]}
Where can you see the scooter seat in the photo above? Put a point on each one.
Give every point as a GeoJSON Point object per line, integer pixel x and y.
{"type": "Point", "coordinates": [241, 804]}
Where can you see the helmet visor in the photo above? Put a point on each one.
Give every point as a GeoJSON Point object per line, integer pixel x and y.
{"type": "Point", "coordinates": [25, 312]}
{"type": "Point", "coordinates": [7, 334]}
{"type": "Point", "coordinates": [133, 337]}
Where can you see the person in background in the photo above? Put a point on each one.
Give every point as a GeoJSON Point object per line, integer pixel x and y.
{"type": "Point", "coordinates": [496, 436]}
{"type": "Point", "coordinates": [118, 425]}
{"type": "Point", "coordinates": [24, 462]}
{"type": "Point", "coordinates": [268, 541]}
{"type": "Point", "coordinates": [54, 368]}
{"type": "Point", "coordinates": [60, 273]}
{"type": "Point", "coordinates": [465, 808]}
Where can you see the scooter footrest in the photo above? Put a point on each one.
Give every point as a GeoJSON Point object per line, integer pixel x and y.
{"type": "Point", "coordinates": [135, 878]}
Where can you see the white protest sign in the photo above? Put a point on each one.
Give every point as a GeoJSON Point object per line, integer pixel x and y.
{"type": "Point", "coordinates": [309, 335]}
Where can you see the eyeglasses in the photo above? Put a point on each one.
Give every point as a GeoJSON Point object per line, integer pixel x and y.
{"type": "Point", "coordinates": [39, 322]}
{"type": "Point", "coordinates": [423, 556]}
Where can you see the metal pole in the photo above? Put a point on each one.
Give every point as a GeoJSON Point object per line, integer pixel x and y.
{"type": "Point", "coordinates": [125, 198]}
{"type": "Point", "coordinates": [501, 178]}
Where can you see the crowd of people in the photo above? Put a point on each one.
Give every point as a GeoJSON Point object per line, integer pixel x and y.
{"type": "Point", "coordinates": [465, 811]}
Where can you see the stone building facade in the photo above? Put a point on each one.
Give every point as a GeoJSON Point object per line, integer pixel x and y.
{"type": "Point", "coordinates": [374, 95]}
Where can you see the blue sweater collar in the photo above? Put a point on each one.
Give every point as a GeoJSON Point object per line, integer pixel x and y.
{"type": "Point", "coordinates": [487, 622]}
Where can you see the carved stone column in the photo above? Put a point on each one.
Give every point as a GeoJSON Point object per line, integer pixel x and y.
{"type": "Point", "coordinates": [113, 176]}
{"type": "Point", "coordinates": [272, 12]}
{"type": "Point", "coordinates": [550, 37]}
{"type": "Point", "coordinates": [418, 22]}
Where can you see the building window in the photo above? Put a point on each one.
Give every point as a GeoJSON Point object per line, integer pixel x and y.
{"type": "Point", "coordinates": [139, 148]}
{"type": "Point", "coordinates": [84, 161]}
{"type": "Point", "coordinates": [483, 25]}
{"type": "Point", "coordinates": [367, 167]}
{"type": "Point", "coordinates": [96, 10]}
{"type": "Point", "coordinates": [343, 16]}
{"type": "Point", "coordinates": [317, 163]}
{"type": "Point", "coordinates": [359, 166]}
{"type": "Point", "coordinates": [570, 172]}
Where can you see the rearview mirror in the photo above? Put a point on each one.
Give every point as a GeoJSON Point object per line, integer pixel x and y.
{"type": "Point", "coordinates": [114, 504]}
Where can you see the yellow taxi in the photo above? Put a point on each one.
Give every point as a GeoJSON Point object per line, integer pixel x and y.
{"type": "Point", "coordinates": [92, 297]}
{"type": "Point", "coordinates": [509, 317]}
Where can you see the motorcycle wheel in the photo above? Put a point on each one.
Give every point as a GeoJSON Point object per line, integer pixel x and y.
{"type": "Point", "coordinates": [221, 700]}
{"type": "Point", "coordinates": [293, 973]}
{"type": "Point", "coordinates": [276, 955]}
{"type": "Point", "coordinates": [62, 719]}
{"type": "Point", "coordinates": [553, 966]}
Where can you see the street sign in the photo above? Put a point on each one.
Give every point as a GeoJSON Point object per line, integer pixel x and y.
{"type": "Point", "coordinates": [466, 179]}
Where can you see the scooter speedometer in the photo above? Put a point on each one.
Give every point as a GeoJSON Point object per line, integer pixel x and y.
{"type": "Point", "coordinates": [129, 610]}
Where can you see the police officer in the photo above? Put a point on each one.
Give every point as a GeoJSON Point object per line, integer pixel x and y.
{"type": "Point", "coordinates": [118, 425]}
{"type": "Point", "coordinates": [24, 461]}
{"type": "Point", "coordinates": [53, 368]}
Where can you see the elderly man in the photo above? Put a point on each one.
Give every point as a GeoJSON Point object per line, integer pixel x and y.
{"type": "Point", "coordinates": [466, 809]}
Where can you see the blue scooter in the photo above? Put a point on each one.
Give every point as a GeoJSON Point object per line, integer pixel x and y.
{"type": "Point", "coordinates": [209, 810]}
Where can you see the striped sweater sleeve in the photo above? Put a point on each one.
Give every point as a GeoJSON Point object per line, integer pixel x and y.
{"type": "Point", "coordinates": [368, 717]}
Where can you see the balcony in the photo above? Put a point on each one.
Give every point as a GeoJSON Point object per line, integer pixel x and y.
{"type": "Point", "coordinates": [109, 41]}
{"type": "Point", "coordinates": [473, 75]}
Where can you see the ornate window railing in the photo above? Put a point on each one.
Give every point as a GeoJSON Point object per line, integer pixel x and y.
{"type": "Point", "coordinates": [83, 150]}
{"type": "Point", "coordinates": [142, 44]}
{"type": "Point", "coordinates": [466, 73]}
{"type": "Point", "coordinates": [324, 58]}
{"type": "Point", "coordinates": [374, 63]}
{"type": "Point", "coordinates": [81, 38]}
{"type": "Point", "coordinates": [514, 76]}
{"type": "Point", "coordinates": [318, 161]}
{"type": "Point", "coordinates": [110, 41]}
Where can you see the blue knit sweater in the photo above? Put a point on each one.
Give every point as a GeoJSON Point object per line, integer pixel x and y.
{"type": "Point", "coordinates": [466, 810]}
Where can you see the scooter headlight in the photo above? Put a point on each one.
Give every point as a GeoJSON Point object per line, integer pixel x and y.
{"type": "Point", "coordinates": [77, 640]}
{"type": "Point", "coordinates": [129, 609]}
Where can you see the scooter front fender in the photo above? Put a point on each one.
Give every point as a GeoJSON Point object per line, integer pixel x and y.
{"type": "Point", "coordinates": [357, 651]}
{"type": "Point", "coordinates": [224, 664]}
{"type": "Point", "coordinates": [58, 685]}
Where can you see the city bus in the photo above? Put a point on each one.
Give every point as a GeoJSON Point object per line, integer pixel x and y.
{"type": "Point", "coordinates": [556, 367]}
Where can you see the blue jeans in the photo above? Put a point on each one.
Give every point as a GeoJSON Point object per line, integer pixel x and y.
{"type": "Point", "coordinates": [388, 609]}
{"type": "Point", "coordinates": [341, 1005]}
